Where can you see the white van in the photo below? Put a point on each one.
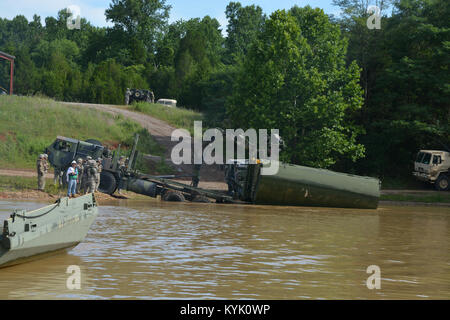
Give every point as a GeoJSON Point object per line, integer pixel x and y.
{"type": "Point", "coordinates": [167, 102]}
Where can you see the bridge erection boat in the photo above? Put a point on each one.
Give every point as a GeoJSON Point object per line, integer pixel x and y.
{"type": "Point", "coordinates": [30, 235]}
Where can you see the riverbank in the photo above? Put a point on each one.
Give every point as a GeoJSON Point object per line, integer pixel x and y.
{"type": "Point", "coordinates": [25, 188]}
{"type": "Point", "coordinates": [415, 197]}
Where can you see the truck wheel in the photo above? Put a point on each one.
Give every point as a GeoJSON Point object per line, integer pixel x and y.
{"type": "Point", "coordinates": [442, 183]}
{"type": "Point", "coordinates": [173, 196]}
{"type": "Point", "coordinates": [108, 183]}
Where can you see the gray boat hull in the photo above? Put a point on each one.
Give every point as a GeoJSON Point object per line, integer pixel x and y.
{"type": "Point", "coordinates": [30, 235]}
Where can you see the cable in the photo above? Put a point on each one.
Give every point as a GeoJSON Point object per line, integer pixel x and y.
{"type": "Point", "coordinates": [41, 215]}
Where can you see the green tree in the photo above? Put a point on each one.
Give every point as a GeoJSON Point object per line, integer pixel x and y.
{"type": "Point", "coordinates": [244, 24]}
{"type": "Point", "coordinates": [284, 84]}
{"type": "Point", "coordinates": [140, 19]}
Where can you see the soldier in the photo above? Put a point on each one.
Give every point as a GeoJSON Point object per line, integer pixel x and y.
{"type": "Point", "coordinates": [121, 166]}
{"type": "Point", "coordinates": [91, 176]}
{"type": "Point", "coordinates": [80, 168]}
{"type": "Point", "coordinates": [196, 175]}
{"type": "Point", "coordinates": [99, 171]}
{"type": "Point", "coordinates": [230, 177]}
{"type": "Point", "coordinates": [127, 96]}
{"type": "Point", "coordinates": [57, 176]}
{"type": "Point", "coordinates": [84, 178]}
{"type": "Point", "coordinates": [41, 170]}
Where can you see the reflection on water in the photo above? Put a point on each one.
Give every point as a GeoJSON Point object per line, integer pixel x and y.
{"type": "Point", "coordinates": [154, 250]}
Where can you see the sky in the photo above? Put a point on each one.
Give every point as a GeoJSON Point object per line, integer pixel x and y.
{"type": "Point", "coordinates": [94, 10]}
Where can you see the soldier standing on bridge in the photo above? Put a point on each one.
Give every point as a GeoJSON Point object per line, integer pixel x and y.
{"type": "Point", "coordinates": [42, 168]}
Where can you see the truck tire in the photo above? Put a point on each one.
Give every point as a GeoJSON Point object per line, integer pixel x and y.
{"type": "Point", "coordinates": [442, 183]}
{"type": "Point", "coordinates": [108, 183]}
{"type": "Point", "coordinates": [173, 196]}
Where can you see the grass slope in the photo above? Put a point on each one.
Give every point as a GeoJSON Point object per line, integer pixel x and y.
{"type": "Point", "coordinates": [29, 124]}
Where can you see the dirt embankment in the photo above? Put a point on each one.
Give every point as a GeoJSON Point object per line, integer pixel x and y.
{"type": "Point", "coordinates": [47, 197]}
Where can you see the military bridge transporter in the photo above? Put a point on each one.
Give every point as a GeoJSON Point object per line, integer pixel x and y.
{"type": "Point", "coordinates": [293, 185]}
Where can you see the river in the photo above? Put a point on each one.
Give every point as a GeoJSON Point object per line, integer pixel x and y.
{"type": "Point", "coordinates": [157, 250]}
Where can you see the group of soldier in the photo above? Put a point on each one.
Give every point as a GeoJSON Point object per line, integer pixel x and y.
{"type": "Point", "coordinates": [89, 171]}
{"type": "Point", "coordinates": [88, 177]}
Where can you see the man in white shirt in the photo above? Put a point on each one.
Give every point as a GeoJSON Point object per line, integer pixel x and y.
{"type": "Point", "coordinates": [72, 177]}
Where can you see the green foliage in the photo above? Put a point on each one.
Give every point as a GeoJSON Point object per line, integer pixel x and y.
{"type": "Point", "coordinates": [143, 19]}
{"type": "Point", "coordinates": [244, 25]}
{"type": "Point", "coordinates": [292, 81]}
{"type": "Point", "coordinates": [405, 78]}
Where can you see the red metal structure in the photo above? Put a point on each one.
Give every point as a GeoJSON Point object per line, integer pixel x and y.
{"type": "Point", "coordinates": [11, 59]}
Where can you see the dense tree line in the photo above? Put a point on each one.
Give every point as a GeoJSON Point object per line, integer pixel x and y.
{"type": "Point", "coordinates": [342, 95]}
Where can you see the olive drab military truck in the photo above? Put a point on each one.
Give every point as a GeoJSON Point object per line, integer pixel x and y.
{"type": "Point", "coordinates": [132, 95]}
{"type": "Point", "coordinates": [433, 166]}
{"type": "Point", "coordinates": [115, 175]}
{"type": "Point", "coordinates": [64, 150]}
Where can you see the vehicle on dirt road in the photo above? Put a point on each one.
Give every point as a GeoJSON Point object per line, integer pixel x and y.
{"type": "Point", "coordinates": [433, 166]}
{"type": "Point", "coordinates": [167, 102]}
{"type": "Point", "coordinates": [138, 95]}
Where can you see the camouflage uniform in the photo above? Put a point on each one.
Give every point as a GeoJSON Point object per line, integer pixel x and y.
{"type": "Point", "coordinates": [99, 171]}
{"type": "Point", "coordinates": [42, 167]}
{"type": "Point", "coordinates": [84, 177]}
{"type": "Point", "coordinates": [121, 166]}
{"type": "Point", "coordinates": [57, 176]}
{"type": "Point", "coordinates": [80, 167]}
{"type": "Point", "coordinates": [127, 96]}
{"type": "Point", "coordinates": [196, 175]}
{"type": "Point", "coordinates": [91, 176]}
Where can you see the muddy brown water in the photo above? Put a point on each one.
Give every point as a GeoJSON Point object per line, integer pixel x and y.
{"type": "Point", "coordinates": [155, 250]}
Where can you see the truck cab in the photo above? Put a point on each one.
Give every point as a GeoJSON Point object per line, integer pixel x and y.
{"type": "Point", "coordinates": [65, 150]}
{"type": "Point", "coordinates": [433, 166]}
